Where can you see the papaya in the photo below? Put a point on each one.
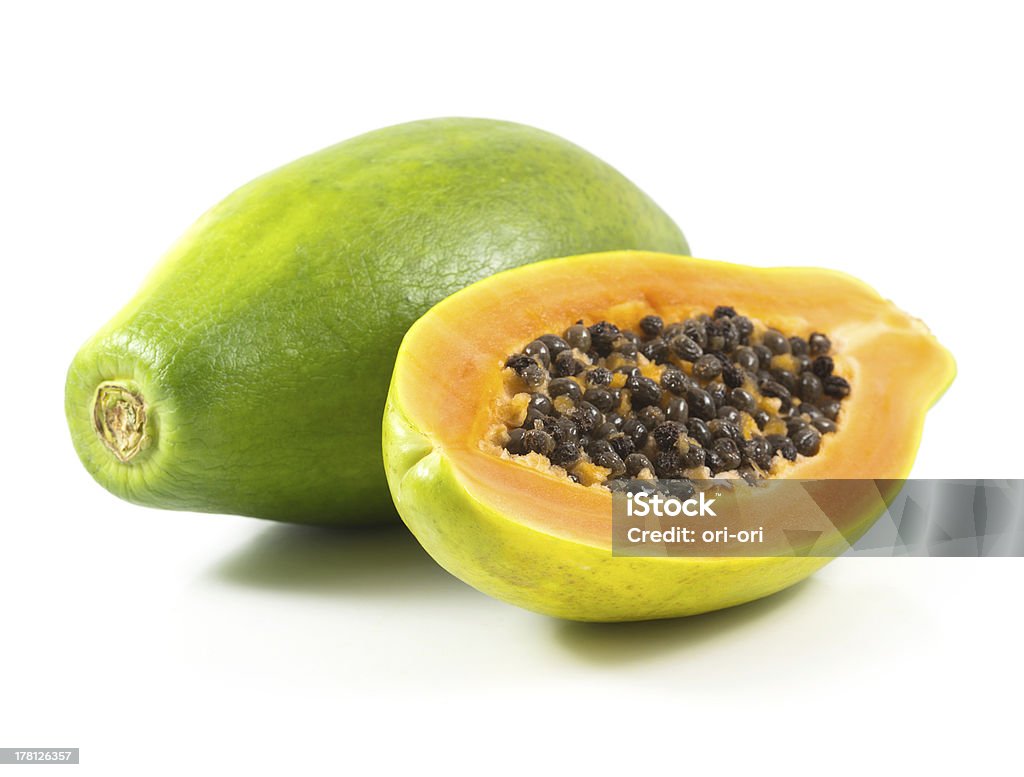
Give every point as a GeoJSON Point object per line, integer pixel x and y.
{"type": "Point", "coordinates": [522, 406]}
{"type": "Point", "coordinates": [249, 373]}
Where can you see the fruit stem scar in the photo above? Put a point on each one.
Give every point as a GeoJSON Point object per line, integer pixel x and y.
{"type": "Point", "coordinates": [119, 416]}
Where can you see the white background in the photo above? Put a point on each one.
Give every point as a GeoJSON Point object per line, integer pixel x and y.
{"type": "Point", "coordinates": [883, 139]}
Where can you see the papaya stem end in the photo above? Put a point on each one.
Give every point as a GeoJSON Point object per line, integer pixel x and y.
{"type": "Point", "coordinates": [119, 416]}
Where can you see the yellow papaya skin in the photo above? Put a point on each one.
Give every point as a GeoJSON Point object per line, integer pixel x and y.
{"type": "Point", "coordinates": [531, 538]}
{"type": "Point", "coordinates": [249, 374]}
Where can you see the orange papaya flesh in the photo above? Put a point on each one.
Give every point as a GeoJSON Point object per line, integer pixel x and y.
{"type": "Point", "coordinates": [519, 529]}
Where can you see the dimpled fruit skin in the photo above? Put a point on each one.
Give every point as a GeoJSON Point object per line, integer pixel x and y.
{"type": "Point", "coordinates": [264, 341]}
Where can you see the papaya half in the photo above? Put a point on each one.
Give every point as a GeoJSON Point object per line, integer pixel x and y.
{"type": "Point", "coordinates": [516, 406]}
{"type": "Point", "coordinates": [249, 373]}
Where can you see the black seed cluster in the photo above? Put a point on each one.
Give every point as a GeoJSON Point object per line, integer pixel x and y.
{"type": "Point", "coordinates": [590, 401]}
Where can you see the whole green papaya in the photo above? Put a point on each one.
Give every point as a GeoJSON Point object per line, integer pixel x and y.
{"type": "Point", "coordinates": [249, 373]}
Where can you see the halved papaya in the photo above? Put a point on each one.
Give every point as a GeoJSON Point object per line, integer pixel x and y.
{"type": "Point", "coordinates": [517, 525]}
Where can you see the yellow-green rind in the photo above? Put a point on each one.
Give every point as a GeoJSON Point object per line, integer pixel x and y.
{"type": "Point", "coordinates": [551, 575]}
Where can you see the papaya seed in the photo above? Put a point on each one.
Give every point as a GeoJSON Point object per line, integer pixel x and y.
{"type": "Point", "coordinates": [541, 403]}
{"type": "Point", "coordinates": [610, 460]}
{"type": "Point", "coordinates": [761, 418]}
{"type": "Point", "coordinates": [667, 464]}
{"type": "Point", "coordinates": [538, 441]}
{"type": "Point", "coordinates": [836, 387]}
{"type": "Point", "coordinates": [651, 416]}
{"type": "Point", "coordinates": [602, 337]}
{"type": "Point", "coordinates": [818, 344]}
{"type": "Point", "coordinates": [707, 367]}
{"type": "Point", "coordinates": [554, 343]}
{"type": "Point", "coordinates": [746, 358]}
{"type": "Point", "coordinates": [729, 414]}
{"type": "Point", "coordinates": [764, 355]}
{"type": "Point", "coordinates": [696, 330]}
{"type": "Point", "coordinates": [732, 374]}
{"type": "Point", "coordinates": [759, 452]}
{"type": "Point", "coordinates": [675, 381]}
{"type": "Point", "coordinates": [742, 400]}
{"type": "Point", "coordinates": [699, 432]}
{"type": "Point", "coordinates": [586, 417]}
{"type": "Point", "coordinates": [643, 391]}
{"type": "Point", "coordinates": [666, 435]}
{"type": "Point", "coordinates": [807, 441]}
{"type": "Point", "coordinates": [637, 431]}
{"type": "Point", "coordinates": [822, 366]}
{"type": "Point", "coordinates": [686, 347]}
{"type": "Point", "coordinates": [797, 346]}
{"type": "Point", "coordinates": [712, 460]}
{"type": "Point", "coordinates": [655, 350]}
{"type": "Point", "coordinates": [637, 463]}
{"type": "Point", "coordinates": [694, 457]}
{"type": "Point", "coordinates": [701, 404]}
{"type": "Point", "coordinates": [515, 440]}
{"type": "Point", "coordinates": [785, 378]}
{"type": "Point", "coordinates": [830, 409]}
{"type": "Point", "coordinates": [570, 388]}
{"type": "Point", "coordinates": [728, 452]}
{"type": "Point", "coordinates": [809, 387]}
{"type": "Point", "coordinates": [677, 410]}
{"type": "Point", "coordinates": [622, 445]}
{"type": "Point", "coordinates": [565, 454]}
{"type": "Point", "coordinates": [776, 341]}
{"type": "Point", "coordinates": [824, 425]}
{"type": "Point", "coordinates": [538, 351]}
{"type": "Point", "coordinates": [651, 325]}
{"type": "Point", "coordinates": [744, 328]}
{"type": "Point", "coordinates": [599, 398]}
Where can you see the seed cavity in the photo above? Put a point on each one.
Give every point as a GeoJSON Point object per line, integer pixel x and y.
{"type": "Point", "coordinates": [712, 396]}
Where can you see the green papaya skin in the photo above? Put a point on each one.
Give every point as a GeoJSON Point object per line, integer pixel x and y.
{"type": "Point", "coordinates": [250, 372]}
